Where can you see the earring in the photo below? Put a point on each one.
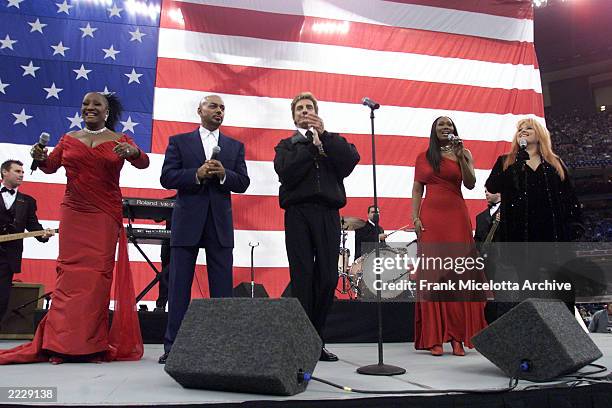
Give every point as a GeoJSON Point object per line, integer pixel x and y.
{"type": "Point", "coordinates": [106, 117]}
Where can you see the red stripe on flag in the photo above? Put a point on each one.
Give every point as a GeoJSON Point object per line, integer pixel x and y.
{"type": "Point", "coordinates": [280, 83]}
{"type": "Point", "coordinates": [275, 280]}
{"type": "Point", "coordinates": [391, 150]}
{"type": "Point", "coordinates": [284, 27]}
{"type": "Point", "coordinates": [253, 212]}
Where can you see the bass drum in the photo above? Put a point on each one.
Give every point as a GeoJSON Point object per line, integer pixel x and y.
{"type": "Point", "coordinates": [396, 273]}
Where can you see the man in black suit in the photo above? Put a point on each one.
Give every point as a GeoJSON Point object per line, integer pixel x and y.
{"type": "Point", "coordinates": [17, 213]}
{"type": "Point", "coordinates": [311, 166]}
{"type": "Point", "coordinates": [366, 236]}
{"type": "Point", "coordinates": [484, 220]}
{"type": "Point", "coordinates": [202, 215]}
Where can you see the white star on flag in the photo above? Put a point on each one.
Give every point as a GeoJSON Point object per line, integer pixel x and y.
{"type": "Point", "coordinates": [59, 49]}
{"type": "Point", "coordinates": [128, 124]}
{"type": "Point", "coordinates": [30, 69]}
{"type": "Point", "coordinates": [114, 11]}
{"type": "Point", "coordinates": [75, 121]}
{"type": "Point", "coordinates": [14, 3]}
{"type": "Point", "coordinates": [136, 35]}
{"type": "Point", "coordinates": [22, 118]}
{"type": "Point", "coordinates": [82, 72]}
{"type": "Point", "coordinates": [3, 86]}
{"type": "Point", "coordinates": [64, 7]}
{"type": "Point", "coordinates": [37, 26]}
{"type": "Point", "coordinates": [88, 30]}
{"type": "Point", "coordinates": [7, 42]}
{"type": "Point", "coordinates": [110, 52]}
{"type": "Point", "coordinates": [53, 91]}
{"type": "Point", "coordinates": [133, 76]}
{"type": "Point", "coordinates": [106, 91]}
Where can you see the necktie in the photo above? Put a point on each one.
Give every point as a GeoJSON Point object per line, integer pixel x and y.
{"type": "Point", "coordinates": [9, 190]}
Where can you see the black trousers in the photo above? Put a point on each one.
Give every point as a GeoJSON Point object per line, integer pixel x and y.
{"type": "Point", "coordinates": [6, 279]}
{"type": "Point", "coordinates": [219, 262]}
{"type": "Point", "coordinates": [162, 297]}
{"type": "Point", "coordinates": [312, 238]}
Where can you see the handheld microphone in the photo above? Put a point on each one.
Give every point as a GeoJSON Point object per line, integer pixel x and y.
{"type": "Point", "coordinates": [370, 103]}
{"type": "Point", "coordinates": [213, 156]}
{"type": "Point", "coordinates": [522, 154]}
{"type": "Point", "coordinates": [43, 140]}
{"type": "Point", "coordinates": [453, 138]}
{"type": "Point", "coordinates": [215, 153]}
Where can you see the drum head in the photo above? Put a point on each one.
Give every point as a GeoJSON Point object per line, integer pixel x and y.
{"type": "Point", "coordinates": [395, 273]}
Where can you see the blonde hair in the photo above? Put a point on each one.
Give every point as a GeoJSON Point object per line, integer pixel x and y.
{"type": "Point", "coordinates": [544, 146]}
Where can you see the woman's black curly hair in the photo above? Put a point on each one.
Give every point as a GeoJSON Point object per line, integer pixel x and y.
{"type": "Point", "coordinates": [114, 110]}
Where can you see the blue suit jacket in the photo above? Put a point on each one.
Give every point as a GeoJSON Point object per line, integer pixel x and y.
{"type": "Point", "coordinates": [184, 155]}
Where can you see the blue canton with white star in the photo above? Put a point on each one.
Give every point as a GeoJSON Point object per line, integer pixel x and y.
{"type": "Point", "coordinates": [52, 52]}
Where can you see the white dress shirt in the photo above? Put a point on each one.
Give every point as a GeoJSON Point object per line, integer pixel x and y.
{"type": "Point", "coordinates": [494, 208]}
{"type": "Point", "coordinates": [209, 141]}
{"type": "Point", "coordinates": [8, 198]}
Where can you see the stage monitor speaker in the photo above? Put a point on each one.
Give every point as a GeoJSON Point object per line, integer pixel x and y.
{"type": "Point", "coordinates": [244, 290]}
{"type": "Point", "coordinates": [18, 322]}
{"type": "Point", "coordinates": [244, 345]}
{"type": "Point", "coordinates": [537, 340]}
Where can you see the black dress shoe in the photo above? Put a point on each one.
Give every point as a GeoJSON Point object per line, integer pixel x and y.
{"type": "Point", "coordinates": [163, 358]}
{"type": "Point", "coordinates": [327, 355]}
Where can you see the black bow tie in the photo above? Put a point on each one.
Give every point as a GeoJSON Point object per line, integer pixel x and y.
{"type": "Point", "coordinates": [10, 191]}
{"type": "Point", "coordinates": [491, 205]}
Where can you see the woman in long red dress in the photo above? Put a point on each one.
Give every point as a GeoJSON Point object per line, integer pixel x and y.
{"type": "Point", "coordinates": [442, 224]}
{"type": "Point", "coordinates": [76, 328]}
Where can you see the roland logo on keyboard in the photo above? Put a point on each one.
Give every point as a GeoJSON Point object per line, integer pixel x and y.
{"type": "Point", "coordinates": [151, 202]}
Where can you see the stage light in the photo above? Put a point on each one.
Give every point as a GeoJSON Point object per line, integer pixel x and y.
{"type": "Point", "coordinates": [602, 108]}
{"type": "Point", "coordinates": [331, 27]}
{"type": "Point", "coordinates": [540, 3]}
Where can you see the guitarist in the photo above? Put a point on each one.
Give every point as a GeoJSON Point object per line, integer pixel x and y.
{"type": "Point", "coordinates": [484, 220]}
{"type": "Point", "coordinates": [486, 227]}
{"type": "Point", "coordinates": [17, 213]}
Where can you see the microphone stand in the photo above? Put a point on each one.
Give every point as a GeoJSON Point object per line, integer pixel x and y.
{"type": "Point", "coordinates": [253, 245]}
{"type": "Point", "coordinates": [380, 368]}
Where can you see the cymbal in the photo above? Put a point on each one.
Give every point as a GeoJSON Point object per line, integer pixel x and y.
{"type": "Point", "coordinates": [351, 223]}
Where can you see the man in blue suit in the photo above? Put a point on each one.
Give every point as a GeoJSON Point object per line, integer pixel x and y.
{"type": "Point", "coordinates": [202, 216]}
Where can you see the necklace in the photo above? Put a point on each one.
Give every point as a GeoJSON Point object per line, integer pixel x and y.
{"type": "Point", "coordinates": [94, 132]}
{"type": "Point", "coordinates": [446, 149]}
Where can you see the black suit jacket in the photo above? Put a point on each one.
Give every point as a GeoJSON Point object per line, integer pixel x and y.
{"type": "Point", "coordinates": [25, 219]}
{"type": "Point", "coordinates": [184, 155]}
{"type": "Point", "coordinates": [365, 238]}
{"type": "Point", "coordinates": [483, 225]}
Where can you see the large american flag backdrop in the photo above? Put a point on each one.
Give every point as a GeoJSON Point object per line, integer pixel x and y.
{"type": "Point", "coordinates": [472, 60]}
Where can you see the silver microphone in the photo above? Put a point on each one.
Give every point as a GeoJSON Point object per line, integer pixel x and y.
{"type": "Point", "coordinates": [43, 140]}
{"type": "Point", "coordinates": [214, 156]}
{"type": "Point", "coordinates": [453, 138]}
{"type": "Point", "coordinates": [523, 143]}
{"type": "Point", "coordinates": [215, 153]}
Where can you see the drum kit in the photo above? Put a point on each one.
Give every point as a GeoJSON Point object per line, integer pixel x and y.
{"type": "Point", "coordinates": [359, 278]}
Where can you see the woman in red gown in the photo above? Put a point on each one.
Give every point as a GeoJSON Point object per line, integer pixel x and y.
{"type": "Point", "coordinates": [444, 229]}
{"type": "Point", "coordinates": [76, 328]}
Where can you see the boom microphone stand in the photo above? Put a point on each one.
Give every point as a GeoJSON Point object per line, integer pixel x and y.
{"type": "Point", "coordinates": [381, 368]}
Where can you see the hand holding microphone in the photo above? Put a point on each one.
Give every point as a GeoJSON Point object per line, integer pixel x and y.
{"type": "Point", "coordinates": [522, 155]}
{"type": "Point", "coordinates": [213, 166]}
{"type": "Point", "coordinates": [39, 150]}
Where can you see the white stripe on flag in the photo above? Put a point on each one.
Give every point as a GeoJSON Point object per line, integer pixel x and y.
{"type": "Point", "coordinates": [393, 14]}
{"type": "Point", "coordinates": [255, 52]}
